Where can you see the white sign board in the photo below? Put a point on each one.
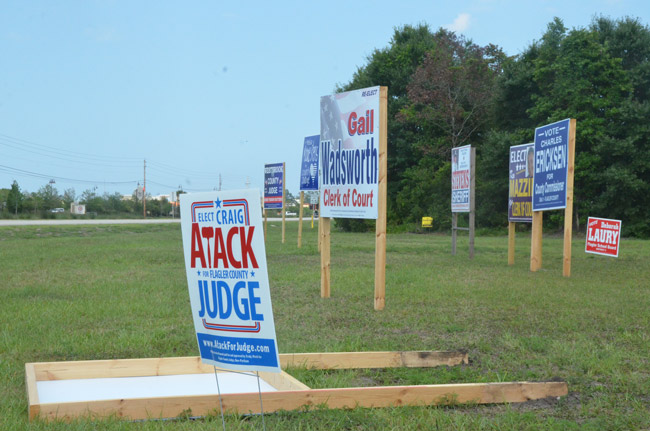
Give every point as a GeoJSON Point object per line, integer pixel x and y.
{"type": "Point", "coordinates": [460, 179]}
{"type": "Point", "coordinates": [77, 209]}
{"type": "Point", "coordinates": [227, 278]}
{"type": "Point", "coordinates": [349, 154]}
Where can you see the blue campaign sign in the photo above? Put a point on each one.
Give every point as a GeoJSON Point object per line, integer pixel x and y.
{"type": "Point", "coordinates": [227, 280]}
{"type": "Point", "coordinates": [309, 168]}
{"type": "Point", "coordinates": [273, 185]}
{"type": "Point", "coordinates": [551, 166]}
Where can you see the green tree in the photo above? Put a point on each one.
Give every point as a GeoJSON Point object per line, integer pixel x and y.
{"type": "Point", "coordinates": [393, 67]}
{"type": "Point", "coordinates": [15, 199]}
{"type": "Point", "coordinates": [49, 197]}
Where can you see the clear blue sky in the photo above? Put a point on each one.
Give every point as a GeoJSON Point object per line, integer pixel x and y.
{"type": "Point", "coordinates": [89, 89]}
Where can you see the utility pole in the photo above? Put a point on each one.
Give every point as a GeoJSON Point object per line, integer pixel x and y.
{"type": "Point", "coordinates": [144, 191]}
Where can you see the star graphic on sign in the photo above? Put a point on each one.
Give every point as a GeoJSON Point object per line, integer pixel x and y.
{"type": "Point", "coordinates": [198, 272]}
{"type": "Point", "coordinates": [252, 273]}
{"type": "Point", "coordinates": [218, 202]}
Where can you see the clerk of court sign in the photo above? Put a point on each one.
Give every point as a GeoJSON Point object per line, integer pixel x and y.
{"type": "Point", "coordinates": [349, 154]}
{"type": "Point", "coordinates": [551, 166]}
{"type": "Point", "coordinates": [225, 262]}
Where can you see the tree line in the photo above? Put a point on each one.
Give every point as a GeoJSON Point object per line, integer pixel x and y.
{"type": "Point", "coordinates": [16, 203]}
{"type": "Point", "coordinates": [446, 91]}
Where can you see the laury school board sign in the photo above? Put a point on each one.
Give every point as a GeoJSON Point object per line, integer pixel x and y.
{"type": "Point", "coordinates": [309, 167]}
{"type": "Point", "coordinates": [460, 179]}
{"type": "Point", "coordinates": [349, 154]}
{"type": "Point", "coordinates": [225, 261]}
{"type": "Point", "coordinates": [603, 236]}
{"type": "Point", "coordinates": [551, 166]}
{"type": "Point", "coordinates": [273, 185]}
{"type": "Point", "coordinates": [520, 196]}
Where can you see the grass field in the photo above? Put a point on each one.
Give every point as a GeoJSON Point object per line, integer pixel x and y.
{"type": "Point", "coordinates": [103, 292]}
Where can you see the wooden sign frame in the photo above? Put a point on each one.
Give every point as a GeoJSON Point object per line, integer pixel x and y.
{"type": "Point", "coordinates": [380, 227]}
{"type": "Point", "coordinates": [291, 394]}
{"type": "Point", "coordinates": [538, 218]}
{"type": "Point", "coordinates": [472, 210]}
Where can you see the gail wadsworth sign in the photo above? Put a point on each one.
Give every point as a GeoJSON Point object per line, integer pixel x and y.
{"type": "Point", "coordinates": [349, 154]}
{"type": "Point", "coordinates": [225, 261]}
{"type": "Point", "coordinates": [460, 179]}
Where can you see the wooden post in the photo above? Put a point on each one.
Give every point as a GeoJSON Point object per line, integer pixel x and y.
{"type": "Point", "coordinates": [472, 200]}
{"type": "Point", "coordinates": [380, 230]}
{"type": "Point", "coordinates": [511, 243]}
{"type": "Point", "coordinates": [284, 192]}
{"type": "Point", "coordinates": [568, 211]}
{"type": "Point", "coordinates": [325, 257]}
{"type": "Point", "coordinates": [302, 199]}
{"type": "Point", "coordinates": [454, 232]}
{"type": "Point", "coordinates": [536, 241]}
{"type": "Point", "coordinates": [264, 213]}
{"type": "Point", "coordinates": [320, 225]}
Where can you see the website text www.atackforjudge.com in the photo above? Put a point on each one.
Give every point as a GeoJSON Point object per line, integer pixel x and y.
{"type": "Point", "coordinates": [243, 347]}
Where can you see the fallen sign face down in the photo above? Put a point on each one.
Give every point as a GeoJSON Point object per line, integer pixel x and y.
{"type": "Point", "coordinates": [280, 391]}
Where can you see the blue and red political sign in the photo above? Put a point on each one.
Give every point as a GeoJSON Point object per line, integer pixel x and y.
{"type": "Point", "coordinates": [273, 185]}
{"type": "Point", "coordinates": [460, 179]}
{"type": "Point", "coordinates": [520, 196]}
{"type": "Point", "coordinates": [227, 278]}
{"type": "Point", "coordinates": [551, 166]}
{"type": "Point", "coordinates": [309, 167]}
{"type": "Point", "coordinates": [349, 154]}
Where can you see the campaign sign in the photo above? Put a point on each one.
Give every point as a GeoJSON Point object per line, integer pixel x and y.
{"type": "Point", "coordinates": [520, 196]}
{"type": "Point", "coordinates": [227, 278]}
{"type": "Point", "coordinates": [551, 166]}
{"type": "Point", "coordinates": [603, 236]}
{"type": "Point", "coordinates": [309, 167]}
{"type": "Point", "coordinates": [460, 179]}
{"type": "Point", "coordinates": [349, 154]}
{"type": "Point", "coordinates": [273, 186]}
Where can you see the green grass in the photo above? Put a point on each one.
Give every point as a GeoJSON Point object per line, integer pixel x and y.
{"type": "Point", "coordinates": [100, 292]}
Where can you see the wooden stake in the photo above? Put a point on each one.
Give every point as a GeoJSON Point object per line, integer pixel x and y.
{"type": "Point", "coordinates": [302, 200]}
{"type": "Point", "coordinates": [284, 193]}
{"type": "Point", "coordinates": [454, 232]}
{"type": "Point", "coordinates": [380, 230]}
{"type": "Point", "coordinates": [536, 241]}
{"type": "Point", "coordinates": [472, 200]}
{"type": "Point", "coordinates": [325, 257]}
{"type": "Point", "coordinates": [568, 211]}
{"type": "Point", "coordinates": [511, 243]}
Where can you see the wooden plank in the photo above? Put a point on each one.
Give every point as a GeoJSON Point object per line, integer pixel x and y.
{"type": "Point", "coordinates": [112, 368]}
{"type": "Point", "coordinates": [384, 396]}
{"type": "Point", "coordinates": [536, 241]}
{"type": "Point", "coordinates": [32, 390]}
{"type": "Point", "coordinates": [302, 200]}
{"type": "Point", "coordinates": [380, 226]}
{"type": "Point", "coordinates": [325, 258]}
{"type": "Point", "coordinates": [472, 200]}
{"type": "Point", "coordinates": [511, 243]}
{"type": "Point", "coordinates": [120, 368]}
{"type": "Point", "coordinates": [283, 381]}
{"type": "Point", "coordinates": [350, 360]}
{"type": "Point", "coordinates": [568, 211]}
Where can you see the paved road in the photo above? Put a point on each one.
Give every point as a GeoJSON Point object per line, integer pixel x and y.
{"type": "Point", "coordinates": [98, 221]}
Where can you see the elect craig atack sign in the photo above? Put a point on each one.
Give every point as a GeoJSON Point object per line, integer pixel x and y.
{"type": "Point", "coordinates": [349, 154]}
{"type": "Point", "coordinates": [603, 236]}
{"type": "Point", "coordinates": [225, 261]}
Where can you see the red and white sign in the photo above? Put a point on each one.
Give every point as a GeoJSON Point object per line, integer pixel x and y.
{"type": "Point", "coordinates": [603, 236]}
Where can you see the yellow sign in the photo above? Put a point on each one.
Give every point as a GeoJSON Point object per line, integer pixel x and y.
{"type": "Point", "coordinates": [427, 221]}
